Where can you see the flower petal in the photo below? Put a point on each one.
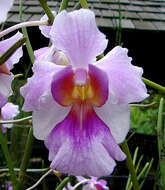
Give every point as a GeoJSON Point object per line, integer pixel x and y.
{"type": "Point", "coordinates": [51, 54]}
{"type": "Point", "coordinates": [49, 114]}
{"type": "Point", "coordinates": [125, 84]}
{"type": "Point", "coordinates": [77, 35]}
{"type": "Point", "coordinates": [64, 89]}
{"type": "Point", "coordinates": [5, 7]}
{"type": "Point", "coordinates": [116, 117]}
{"type": "Point", "coordinates": [6, 44]}
{"type": "Point", "coordinates": [5, 88]}
{"type": "Point", "coordinates": [9, 111]}
{"type": "Point", "coordinates": [82, 144]}
{"type": "Point", "coordinates": [41, 52]}
{"type": "Point", "coordinates": [38, 84]}
{"type": "Point", "coordinates": [45, 30]}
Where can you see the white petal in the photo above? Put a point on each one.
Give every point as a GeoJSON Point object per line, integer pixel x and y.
{"type": "Point", "coordinates": [49, 114]}
{"type": "Point", "coordinates": [117, 118]}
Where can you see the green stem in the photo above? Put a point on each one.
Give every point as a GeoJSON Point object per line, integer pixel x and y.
{"type": "Point", "coordinates": [28, 44]}
{"type": "Point", "coordinates": [11, 50]}
{"type": "Point", "coordinates": [47, 10]}
{"type": "Point", "coordinates": [154, 85]}
{"type": "Point", "coordinates": [77, 6]}
{"type": "Point", "coordinates": [64, 5]}
{"type": "Point", "coordinates": [25, 160]}
{"type": "Point", "coordinates": [63, 183]}
{"type": "Point", "coordinates": [161, 145]}
{"type": "Point", "coordinates": [84, 4]}
{"type": "Point", "coordinates": [130, 165]}
{"type": "Point", "coordinates": [5, 150]}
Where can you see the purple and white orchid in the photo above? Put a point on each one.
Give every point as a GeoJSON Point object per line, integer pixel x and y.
{"type": "Point", "coordinates": [81, 109]}
{"type": "Point", "coordinates": [91, 184]}
{"type": "Point", "coordinates": [6, 76]}
{"type": "Point", "coordinates": [8, 111]}
{"type": "Point", "coordinates": [5, 6]}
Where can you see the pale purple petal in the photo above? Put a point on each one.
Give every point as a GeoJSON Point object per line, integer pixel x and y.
{"type": "Point", "coordinates": [40, 52]}
{"type": "Point", "coordinates": [45, 30]}
{"type": "Point", "coordinates": [38, 84]}
{"type": "Point", "coordinates": [5, 88]}
{"type": "Point", "coordinates": [82, 144]}
{"type": "Point", "coordinates": [6, 44]}
{"type": "Point", "coordinates": [49, 114]}
{"type": "Point", "coordinates": [77, 35]}
{"type": "Point", "coordinates": [51, 54]}
{"type": "Point", "coordinates": [8, 112]}
{"type": "Point", "coordinates": [5, 6]}
{"type": "Point", "coordinates": [116, 117]}
{"type": "Point", "coordinates": [125, 84]}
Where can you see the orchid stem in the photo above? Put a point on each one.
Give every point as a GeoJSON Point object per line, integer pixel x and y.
{"type": "Point", "coordinates": [77, 6]}
{"type": "Point", "coordinates": [130, 165]}
{"type": "Point", "coordinates": [153, 85]}
{"type": "Point", "coordinates": [47, 10]}
{"type": "Point", "coordinates": [5, 150]}
{"type": "Point", "coordinates": [20, 25]}
{"type": "Point", "coordinates": [84, 4]}
{"type": "Point", "coordinates": [39, 181]}
{"type": "Point", "coordinates": [11, 50]}
{"type": "Point", "coordinates": [161, 144]}
{"type": "Point", "coordinates": [15, 121]}
{"type": "Point", "coordinates": [25, 160]}
{"type": "Point", "coordinates": [24, 31]}
{"type": "Point", "coordinates": [63, 183]}
{"type": "Point", "coordinates": [64, 5]}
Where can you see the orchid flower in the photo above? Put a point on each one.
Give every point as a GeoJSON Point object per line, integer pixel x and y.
{"type": "Point", "coordinates": [6, 76]}
{"type": "Point", "coordinates": [8, 111]}
{"type": "Point", "coordinates": [81, 109]}
{"type": "Point", "coordinates": [91, 184]}
{"type": "Point", "coordinates": [5, 6]}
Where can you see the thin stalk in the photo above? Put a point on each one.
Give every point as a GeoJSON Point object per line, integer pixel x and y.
{"type": "Point", "coordinates": [161, 144]}
{"type": "Point", "coordinates": [130, 165]}
{"type": "Point", "coordinates": [47, 10]}
{"type": "Point", "coordinates": [119, 27]}
{"type": "Point", "coordinates": [134, 161]}
{"type": "Point", "coordinates": [25, 160]}
{"type": "Point", "coordinates": [154, 85]}
{"type": "Point", "coordinates": [20, 25]}
{"type": "Point", "coordinates": [77, 6]}
{"type": "Point", "coordinates": [63, 183]}
{"type": "Point", "coordinates": [6, 153]}
{"type": "Point", "coordinates": [84, 4]}
{"type": "Point", "coordinates": [24, 31]}
{"type": "Point", "coordinates": [146, 173]}
{"type": "Point", "coordinates": [39, 181]}
{"type": "Point", "coordinates": [16, 120]}
{"type": "Point", "coordinates": [43, 182]}
{"type": "Point", "coordinates": [64, 5]}
{"type": "Point", "coordinates": [4, 57]}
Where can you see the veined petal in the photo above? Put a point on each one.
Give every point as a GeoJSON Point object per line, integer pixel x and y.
{"type": "Point", "coordinates": [82, 144]}
{"type": "Point", "coordinates": [125, 84]}
{"type": "Point", "coordinates": [45, 30]}
{"type": "Point", "coordinates": [6, 44]}
{"type": "Point", "coordinates": [38, 84]}
{"type": "Point", "coordinates": [5, 7]}
{"type": "Point", "coordinates": [116, 117]}
{"type": "Point", "coordinates": [49, 114]}
{"type": "Point", "coordinates": [77, 35]}
{"type": "Point", "coordinates": [5, 88]}
{"type": "Point", "coordinates": [9, 111]}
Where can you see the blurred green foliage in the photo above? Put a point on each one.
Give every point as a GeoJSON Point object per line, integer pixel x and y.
{"type": "Point", "coordinates": [144, 119]}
